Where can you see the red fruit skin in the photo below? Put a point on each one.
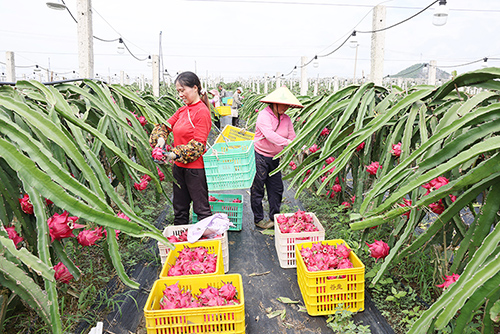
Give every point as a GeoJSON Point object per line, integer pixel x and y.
{"type": "Point", "coordinates": [62, 273]}
{"type": "Point", "coordinates": [378, 249]}
{"type": "Point", "coordinates": [26, 205]}
{"type": "Point", "coordinates": [62, 226]}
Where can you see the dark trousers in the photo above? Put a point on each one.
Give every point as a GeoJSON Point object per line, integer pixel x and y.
{"type": "Point", "coordinates": [234, 121]}
{"type": "Point", "coordinates": [191, 186]}
{"type": "Point", "coordinates": [274, 187]}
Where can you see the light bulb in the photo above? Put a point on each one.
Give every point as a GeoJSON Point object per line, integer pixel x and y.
{"type": "Point", "coordinates": [121, 46]}
{"type": "Point", "coordinates": [150, 63]}
{"type": "Point", "coordinates": [485, 63]}
{"type": "Point", "coordinates": [36, 69]}
{"type": "Point", "coordinates": [440, 14]}
{"type": "Point", "coordinates": [315, 62]}
{"type": "Point", "coordinates": [57, 5]}
{"type": "Point", "coordinates": [354, 40]}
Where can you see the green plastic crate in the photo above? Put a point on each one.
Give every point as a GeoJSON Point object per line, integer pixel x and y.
{"type": "Point", "coordinates": [230, 165]}
{"type": "Point", "coordinates": [234, 211]}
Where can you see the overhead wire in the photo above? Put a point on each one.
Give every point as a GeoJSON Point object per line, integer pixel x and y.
{"type": "Point", "coordinates": [371, 31]}
{"type": "Point", "coordinates": [119, 39]}
{"type": "Point", "coordinates": [398, 23]}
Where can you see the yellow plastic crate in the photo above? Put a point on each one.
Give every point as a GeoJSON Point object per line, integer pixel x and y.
{"type": "Point", "coordinates": [217, 319]}
{"type": "Point", "coordinates": [324, 291]}
{"type": "Point", "coordinates": [285, 242]}
{"type": "Point", "coordinates": [224, 110]}
{"type": "Point", "coordinates": [213, 246]}
{"type": "Point", "coordinates": [232, 133]}
{"type": "Point", "coordinates": [177, 230]}
{"type": "Point", "coordinates": [230, 102]}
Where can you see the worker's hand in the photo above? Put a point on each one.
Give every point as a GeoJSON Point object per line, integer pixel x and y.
{"type": "Point", "coordinates": [160, 142]}
{"type": "Point", "coordinates": [170, 156]}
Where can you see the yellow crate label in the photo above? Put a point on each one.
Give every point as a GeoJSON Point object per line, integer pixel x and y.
{"type": "Point", "coordinates": [337, 285]}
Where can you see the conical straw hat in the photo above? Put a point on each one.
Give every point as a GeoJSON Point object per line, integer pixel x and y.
{"type": "Point", "coordinates": [283, 95]}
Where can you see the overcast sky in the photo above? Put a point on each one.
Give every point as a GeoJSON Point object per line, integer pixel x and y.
{"type": "Point", "coordinates": [248, 38]}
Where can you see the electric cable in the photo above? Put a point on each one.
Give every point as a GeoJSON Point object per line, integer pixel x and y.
{"type": "Point", "coordinates": [396, 24]}
{"type": "Point", "coordinates": [372, 31]}
{"type": "Point", "coordinates": [465, 64]}
{"type": "Point", "coordinates": [121, 39]}
{"type": "Point", "coordinates": [126, 47]}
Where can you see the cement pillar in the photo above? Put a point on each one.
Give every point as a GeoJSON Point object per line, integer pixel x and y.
{"type": "Point", "coordinates": [10, 64]}
{"type": "Point", "coordinates": [278, 79]}
{"type": "Point", "coordinates": [85, 39]}
{"type": "Point", "coordinates": [315, 92]}
{"type": "Point", "coordinates": [303, 76]}
{"type": "Point", "coordinates": [431, 80]}
{"type": "Point", "coordinates": [156, 75]}
{"type": "Point", "coordinates": [378, 45]}
{"type": "Point", "coordinates": [335, 84]}
{"type": "Point", "coordinates": [122, 78]}
{"type": "Point", "coordinates": [266, 83]}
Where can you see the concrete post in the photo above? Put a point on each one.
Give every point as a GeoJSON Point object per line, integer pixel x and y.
{"type": "Point", "coordinates": [85, 39]}
{"type": "Point", "coordinates": [431, 80]}
{"type": "Point", "coordinates": [278, 79]}
{"type": "Point", "coordinates": [266, 83]}
{"type": "Point", "coordinates": [335, 84]}
{"type": "Point", "coordinates": [156, 75]}
{"type": "Point", "coordinates": [258, 86]}
{"type": "Point", "coordinates": [122, 78]}
{"type": "Point", "coordinates": [315, 92]}
{"type": "Point", "coordinates": [10, 64]}
{"type": "Point", "coordinates": [303, 76]}
{"type": "Point", "coordinates": [142, 82]}
{"type": "Point", "coordinates": [378, 45]}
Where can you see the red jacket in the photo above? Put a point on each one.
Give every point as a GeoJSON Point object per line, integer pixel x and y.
{"type": "Point", "coordinates": [191, 122]}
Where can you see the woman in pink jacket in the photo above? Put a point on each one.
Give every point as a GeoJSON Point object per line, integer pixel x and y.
{"type": "Point", "coordinates": [273, 131]}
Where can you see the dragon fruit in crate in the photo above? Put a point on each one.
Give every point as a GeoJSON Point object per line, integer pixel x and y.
{"type": "Point", "coordinates": [299, 222]}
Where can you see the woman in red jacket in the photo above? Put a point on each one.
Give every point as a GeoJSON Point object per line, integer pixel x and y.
{"type": "Point", "coordinates": [190, 126]}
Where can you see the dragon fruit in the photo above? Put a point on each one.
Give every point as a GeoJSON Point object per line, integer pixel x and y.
{"type": "Point", "coordinates": [26, 205]}
{"type": "Point", "coordinates": [299, 222]}
{"type": "Point", "coordinates": [193, 261]}
{"type": "Point", "coordinates": [321, 257]}
{"type": "Point", "coordinates": [378, 249]}
{"type": "Point", "coordinates": [176, 298]}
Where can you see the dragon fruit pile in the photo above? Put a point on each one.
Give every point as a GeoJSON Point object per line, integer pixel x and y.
{"type": "Point", "coordinates": [214, 199]}
{"type": "Point", "coordinates": [193, 261]}
{"type": "Point", "coordinates": [174, 297]}
{"type": "Point", "coordinates": [299, 222]}
{"type": "Point", "coordinates": [183, 237]}
{"type": "Point", "coordinates": [322, 257]}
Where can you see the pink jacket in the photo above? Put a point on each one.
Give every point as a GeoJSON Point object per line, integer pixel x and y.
{"type": "Point", "coordinates": [269, 141]}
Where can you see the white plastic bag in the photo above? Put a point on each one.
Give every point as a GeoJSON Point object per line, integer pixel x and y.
{"type": "Point", "coordinates": [209, 227]}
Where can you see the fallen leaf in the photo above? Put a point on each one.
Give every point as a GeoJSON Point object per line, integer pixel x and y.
{"type": "Point", "coordinates": [283, 315]}
{"type": "Point", "coordinates": [232, 242]}
{"type": "Point", "coordinates": [286, 300]}
{"type": "Point", "coordinates": [302, 309]}
{"type": "Point", "coordinates": [269, 310]}
{"type": "Point", "coordinates": [259, 274]}
{"type": "Point", "coordinates": [267, 232]}
{"type": "Point", "coordinates": [274, 314]}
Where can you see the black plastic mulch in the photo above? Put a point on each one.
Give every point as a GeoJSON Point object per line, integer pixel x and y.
{"type": "Point", "coordinates": [253, 256]}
